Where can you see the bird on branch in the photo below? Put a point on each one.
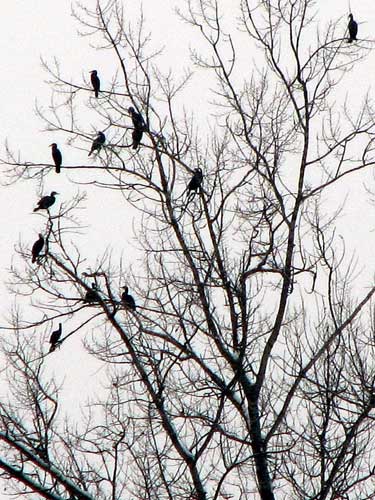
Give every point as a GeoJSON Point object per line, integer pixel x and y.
{"type": "Point", "coordinates": [95, 82]}
{"type": "Point", "coordinates": [196, 181]}
{"type": "Point", "coordinates": [353, 29]}
{"type": "Point", "coordinates": [56, 156]}
{"type": "Point", "coordinates": [127, 299]}
{"type": "Point", "coordinates": [92, 295]}
{"type": "Point", "coordinates": [55, 338]}
{"type": "Point", "coordinates": [137, 119]}
{"type": "Point", "coordinates": [37, 248]}
{"type": "Point", "coordinates": [46, 201]}
{"type": "Point", "coordinates": [139, 125]}
{"type": "Point", "coordinates": [192, 188]}
{"type": "Point", "coordinates": [97, 143]}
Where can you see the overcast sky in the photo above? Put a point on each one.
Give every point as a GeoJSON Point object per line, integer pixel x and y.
{"type": "Point", "coordinates": [31, 29]}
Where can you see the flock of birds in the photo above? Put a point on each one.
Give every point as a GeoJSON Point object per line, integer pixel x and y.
{"type": "Point", "coordinates": [92, 296]}
{"type": "Point", "coordinates": [139, 126]}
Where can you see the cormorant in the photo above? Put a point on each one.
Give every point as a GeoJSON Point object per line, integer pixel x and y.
{"type": "Point", "coordinates": [195, 181]}
{"type": "Point", "coordinates": [95, 82]}
{"type": "Point", "coordinates": [97, 143]}
{"type": "Point", "coordinates": [57, 157]}
{"type": "Point", "coordinates": [137, 119]}
{"type": "Point", "coordinates": [127, 299]}
{"type": "Point", "coordinates": [353, 29]}
{"type": "Point", "coordinates": [55, 338]}
{"type": "Point", "coordinates": [137, 137]}
{"type": "Point", "coordinates": [92, 295]}
{"type": "Point", "coordinates": [46, 202]}
{"type": "Point", "coordinates": [37, 248]}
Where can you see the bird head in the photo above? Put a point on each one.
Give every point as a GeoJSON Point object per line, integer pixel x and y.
{"type": "Point", "coordinates": [93, 286]}
{"type": "Point", "coordinates": [131, 110]}
{"type": "Point", "coordinates": [53, 193]}
{"type": "Point", "coordinates": [54, 145]}
{"type": "Point", "coordinates": [41, 236]}
{"type": "Point", "coordinates": [125, 288]}
{"type": "Point", "coordinates": [94, 72]}
{"type": "Point", "coordinates": [350, 16]}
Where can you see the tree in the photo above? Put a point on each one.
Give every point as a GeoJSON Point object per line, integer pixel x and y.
{"type": "Point", "coordinates": [246, 369]}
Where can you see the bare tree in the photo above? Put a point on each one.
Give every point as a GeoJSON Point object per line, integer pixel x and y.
{"type": "Point", "coordinates": [244, 367]}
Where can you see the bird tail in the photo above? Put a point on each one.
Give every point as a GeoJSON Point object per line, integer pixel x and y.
{"type": "Point", "coordinates": [35, 209]}
{"type": "Point", "coordinates": [96, 93]}
{"type": "Point", "coordinates": [33, 259]}
{"type": "Point", "coordinates": [58, 170]}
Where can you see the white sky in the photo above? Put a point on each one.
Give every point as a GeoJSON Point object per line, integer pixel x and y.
{"type": "Point", "coordinates": [33, 28]}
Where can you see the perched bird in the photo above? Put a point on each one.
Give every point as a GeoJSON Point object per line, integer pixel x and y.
{"type": "Point", "coordinates": [46, 202]}
{"type": "Point", "coordinates": [92, 295]}
{"type": "Point", "coordinates": [127, 299]}
{"type": "Point", "coordinates": [139, 127]}
{"type": "Point", "coordinates": [137, 119]}
{"type": "Point", "coordinates": [353, 29]}
{"type": "Point", "coordinates": [95, 82]}
{"type": "Point", "coordinates": [37, 248]}
{"type": "Point", "coordinates": [97, 143]}
{"type": "Point", "coordinates": [137, 137]}
{"type": "Point", "coordinates": [55, 338]}
{"type": "Point", "coordinates": [195, 181]}
{"type": "Point", "coordinates": [57, 157]}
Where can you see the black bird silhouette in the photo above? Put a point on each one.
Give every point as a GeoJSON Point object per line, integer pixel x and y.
{"type": "Point", "coordinates": [57, 157]}
{"type": "Point", "coordinates": [97, 143]}
{"type": "Point", "coordinates": [46, 202]}
{"type": "Point", "coordinates": [55, 338]}
{"type": "Point", "coordinates": [137, 119]}
{"type": "Point", "coordinates": [37, 248]}
{"type": "Point", "coordinates": [353, 29]}
{"type": "Point", "coordinates": [95, 82]}
{"type": "Point", "coordinates": [139, 127]}
{"type": "Point", "coordinates": [128, 299]}
{"type": "Point", "coordinates": [137, 137]}
{"type": "Point", "coordinates": [92, 295]}
{"type": "Point", "coordinates": [195, 181]}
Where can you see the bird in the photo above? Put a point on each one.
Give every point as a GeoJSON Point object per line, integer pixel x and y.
{"type": "Point", "coordinates": [137, 119]}
{"type": "Point", "coordinates": [57, 157]}
{"type": "Point", "coordinates": [37, 248]}
{"type": "Point", "coordinates": [92, 295]}
{"type": "Point", "coordinates": [128, 299]}
{"type": "Point", "coordinates": [353, 29]}
{"type": "Point", "coordinates": [46, 202]}
{"type": "Point", "coordinates": [95, 82]}
{"type": "Point", "coordinates": [55, 338]}
{"type": "Point", "coordinates": [195, 181]}
{"type": "Point", "coordinates": [97, 143]}
{"type": "Point", "coordinates": [137, 137]}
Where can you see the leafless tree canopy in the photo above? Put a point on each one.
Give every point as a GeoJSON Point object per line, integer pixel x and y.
{"type": "Point", "coordinates": [245, 366]}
